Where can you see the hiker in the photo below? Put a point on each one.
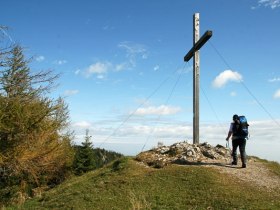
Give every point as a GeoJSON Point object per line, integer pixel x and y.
{"type": "Point", "coordinates": [239, 132]}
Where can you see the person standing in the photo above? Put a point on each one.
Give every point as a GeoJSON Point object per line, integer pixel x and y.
{"type": "Point", "coordinates": [239, 132]}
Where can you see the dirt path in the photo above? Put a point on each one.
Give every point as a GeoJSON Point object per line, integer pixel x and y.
{"type": "Point", "coordinates": [256, 173]}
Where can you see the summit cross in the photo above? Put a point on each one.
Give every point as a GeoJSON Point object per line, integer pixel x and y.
{"type": "Point", "coordinates": [194, 52]}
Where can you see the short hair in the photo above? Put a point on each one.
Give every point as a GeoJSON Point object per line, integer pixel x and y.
{"type": "Point", "coordinates": [235, 117]}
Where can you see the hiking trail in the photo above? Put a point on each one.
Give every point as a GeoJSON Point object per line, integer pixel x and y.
{"type": "Point", "coordinates": [183, 153]}
{"type": "Point", "coordinates": [256, 173]}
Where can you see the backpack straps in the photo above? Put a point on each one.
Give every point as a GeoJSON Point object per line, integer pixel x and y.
{"type": "Point", "coordinates": [235, 128]}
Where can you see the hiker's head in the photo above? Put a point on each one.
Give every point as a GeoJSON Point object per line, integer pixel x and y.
{"type": "Point", "coordinates": [235, 117]}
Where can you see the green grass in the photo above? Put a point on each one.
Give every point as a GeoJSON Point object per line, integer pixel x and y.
{"type": "Point", "coordinates": [127, 185]}
{"type": "Point", "coordinates": [273, 166]}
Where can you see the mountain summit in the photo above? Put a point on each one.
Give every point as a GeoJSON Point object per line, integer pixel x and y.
{"type": "Point", "coordinates": [185, 154]}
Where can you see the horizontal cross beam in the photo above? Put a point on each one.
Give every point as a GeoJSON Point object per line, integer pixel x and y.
{"type": "Point", "coordinates": [206, 36]}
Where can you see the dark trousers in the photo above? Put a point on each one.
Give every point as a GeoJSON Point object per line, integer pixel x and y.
{"type": "Point", "coordinates": [241, 143]}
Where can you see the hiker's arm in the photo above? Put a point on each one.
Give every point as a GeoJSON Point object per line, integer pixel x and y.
{"type": "Point", "coordinates": [230, 131]}
{"type": "Point", "coordinates": [229, 135]}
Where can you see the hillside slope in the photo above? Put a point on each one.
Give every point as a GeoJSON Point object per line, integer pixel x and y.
{"type": "Point", "coordinates": [130, 184]}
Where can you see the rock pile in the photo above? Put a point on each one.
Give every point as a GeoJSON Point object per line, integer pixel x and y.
{"type": "Point", "coordinates": [184, 153]}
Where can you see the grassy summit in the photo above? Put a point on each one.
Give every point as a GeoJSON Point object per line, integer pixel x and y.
{"type": "Point", "coordinates": [129, 184]}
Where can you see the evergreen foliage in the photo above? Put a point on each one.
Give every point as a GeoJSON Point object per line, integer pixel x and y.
{"type": "Point", "coordinates": [88, 158]}
{"type": "Point", "coordinates": [34, 149]}
{"type": "Point", "coordinates": [84, 157]}
{"type": "Point", "coordinates": [103, 157]}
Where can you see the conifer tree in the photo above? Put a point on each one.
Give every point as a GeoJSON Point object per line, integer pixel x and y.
{"type": "Point", "coordinates": [34, 150]}
{"type": "Point", "coordinates": [84, 158]}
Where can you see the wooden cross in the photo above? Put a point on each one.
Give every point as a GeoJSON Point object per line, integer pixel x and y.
{"type": "Point", "coordinates": [194, 52]}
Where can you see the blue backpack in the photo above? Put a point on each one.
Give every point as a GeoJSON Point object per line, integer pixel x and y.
{"type": "Point", "coordinates": [240, 128]}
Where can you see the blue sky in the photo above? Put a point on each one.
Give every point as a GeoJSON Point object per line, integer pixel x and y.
{"type": "Point", "coordinates": [123, 74]}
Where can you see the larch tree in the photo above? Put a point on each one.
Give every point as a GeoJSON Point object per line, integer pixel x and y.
{"type": "Point", "coordinates": [35, 149]}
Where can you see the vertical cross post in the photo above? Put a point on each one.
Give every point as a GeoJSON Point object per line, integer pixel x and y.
{"type": "Point", "coordinates": [194, 52]}
{"type": "Point", "coordinates": [196, 69]}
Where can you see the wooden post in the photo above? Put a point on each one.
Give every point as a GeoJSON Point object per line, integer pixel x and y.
{"type": "Point", "coordinates": [196, 69]}
{"type": "Point", "coordinates": [194, 52]}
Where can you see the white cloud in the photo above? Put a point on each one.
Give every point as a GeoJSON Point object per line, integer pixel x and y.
{"type": "Point", "coordinates": [263, 139]}
{"type": "Point", "coordinates": [156, 68]}
{"type": "Point", "coordinates": [275, 79]}
{"type": "Point", "coordinates": [277, 94]}
{"type": "Point", "coordinates": [70, 92]}
{"type": "Point", "coordinates": [77, 72]}
{"type": "Point", "coordinates": [160, 131]}
{"type": "Point", "coordinates": [130, 138]}
{"type": "Point", "coordinates": [133, 48]}
{"type": "Point", "coordinates": [101, 69]}
{"type": "Point", "coordinates": [40, 58]}
{"type": "Point", "coordinates": [226, 76]}
{"type": "Point", "coordinates": [133, 51]}
{"type": "Point", "coordinates": [60, 62]}
{"type": "Point", "coordinates": [160, 110]}
{"type": "Point", "coordinates": [108, 28]}
{"type": "Point", "coordinates": [98, 68]}
{"type": "Point", "coordinates": [121, 66]}
{"type": "Point", "coordinates": [145, 56]}
{"type": "Point", "coordinates": [81, 124]}
{"type": "Point", "coordinates": [269, 3]}
{"type": "Point", "coordinates": [100, 76]}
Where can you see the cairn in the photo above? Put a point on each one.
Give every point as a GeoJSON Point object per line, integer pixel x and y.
{"type": "Point", "coordinates": [185, 154]}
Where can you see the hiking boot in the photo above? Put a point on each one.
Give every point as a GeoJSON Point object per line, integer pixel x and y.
{"type": "Point", "coordinates": [234, 163]}
{"type": "Point", "coordinates": [244, 165]}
